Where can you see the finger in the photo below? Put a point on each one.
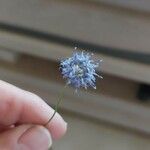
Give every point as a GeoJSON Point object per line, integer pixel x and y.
{"type": "Point", "coordinates": [4, 128]}
{"type": "Point", "coordinates": [26, 137]}
{"type": "Point", "coordinates": [18, 106]}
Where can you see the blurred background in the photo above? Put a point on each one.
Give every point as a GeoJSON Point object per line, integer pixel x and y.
{"type": "Point", "coordinates": [35, 35]}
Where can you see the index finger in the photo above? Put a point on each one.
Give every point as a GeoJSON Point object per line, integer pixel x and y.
{"type": "Point", "coordinates": [19, 106]}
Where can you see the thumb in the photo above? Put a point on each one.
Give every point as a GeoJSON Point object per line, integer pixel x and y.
{"type": "Point", "coordinates": [26, 137]}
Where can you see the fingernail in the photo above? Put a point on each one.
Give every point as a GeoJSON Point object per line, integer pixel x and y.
{"type": "Point", "coordinates": [37, 137]}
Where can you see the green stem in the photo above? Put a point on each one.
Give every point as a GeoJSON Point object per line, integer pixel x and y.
{"type": "Point", "coordinates": [56, 108]}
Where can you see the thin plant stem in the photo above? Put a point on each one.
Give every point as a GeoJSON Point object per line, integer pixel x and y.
{"type": "Point", "coordinates": [56, 108]}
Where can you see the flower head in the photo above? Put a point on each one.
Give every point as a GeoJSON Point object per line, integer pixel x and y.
{"type": "Point", "coordinates": [79, 70]}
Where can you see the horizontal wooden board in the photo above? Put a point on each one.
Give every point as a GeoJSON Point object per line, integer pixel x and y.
{"type": "Point", "coordinates": [139, 5]}
{"type": "Point", "coordinates": [97, 24]}
{"type": "Point", "coordinates": [49, 70]}
{"type": "Point", "coordinates": [100, 107]}
{"type": "Point", "coordinates": [111, 65]}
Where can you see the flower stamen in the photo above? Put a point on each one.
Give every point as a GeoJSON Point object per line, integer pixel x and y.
{"type": "Point", "coordinates": [79, 70]}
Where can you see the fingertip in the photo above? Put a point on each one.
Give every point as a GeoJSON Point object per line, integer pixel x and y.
{"type": "Point", "coordinates": [58, 127]}
{"type": "Point", "coordinates": [60, 132]}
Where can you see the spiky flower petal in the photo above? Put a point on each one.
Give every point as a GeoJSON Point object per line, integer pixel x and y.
{"type": "Point", "coordinates": [79, 70]}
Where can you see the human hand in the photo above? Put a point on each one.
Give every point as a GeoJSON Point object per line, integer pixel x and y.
{"type": "Point", "coordinates": [22, 115]}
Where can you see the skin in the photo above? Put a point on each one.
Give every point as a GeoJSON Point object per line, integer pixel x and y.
{"type": "Point", "coordinates": [22, 118]}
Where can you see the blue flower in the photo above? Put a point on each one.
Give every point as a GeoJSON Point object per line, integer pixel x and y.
{"type": "Point", "coordinates": [79, 70]}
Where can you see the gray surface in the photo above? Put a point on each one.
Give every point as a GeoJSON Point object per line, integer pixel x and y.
{"type": "Point", "coordinates": [97, 24]}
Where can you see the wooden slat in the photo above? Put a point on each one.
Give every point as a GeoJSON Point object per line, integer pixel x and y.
{"type": "Point", "coordinates": [49, 70]}
{"type": "Point", "coordinates": [139, 5]}
{"type": "Point", "coordinates": [116, 111]}
{"type": "Point", "coordinates": [120, 67]}
{"type": "Point", "coordinates": [99, 25]}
